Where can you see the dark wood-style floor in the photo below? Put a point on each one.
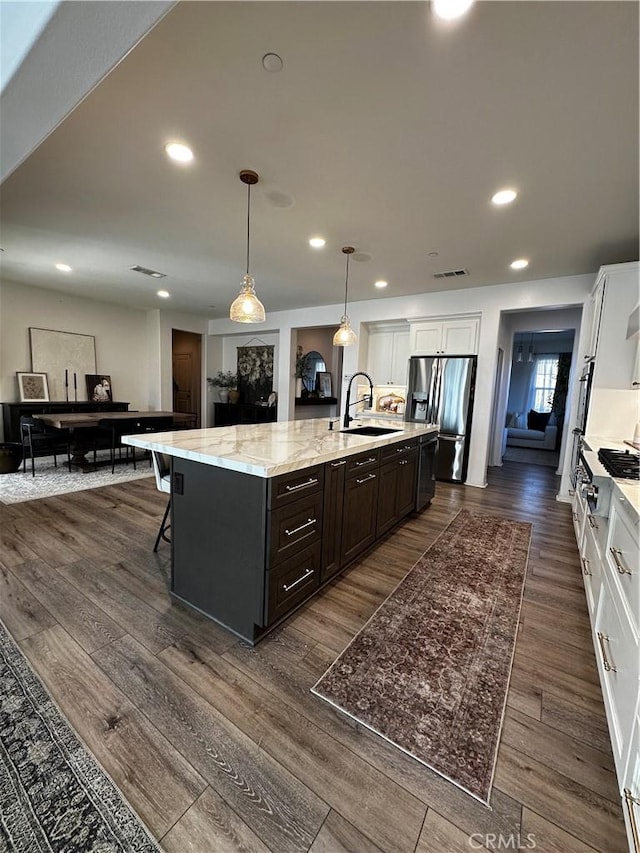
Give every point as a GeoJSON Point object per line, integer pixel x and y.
{"type": "Point", "coordinates": [221, 747]}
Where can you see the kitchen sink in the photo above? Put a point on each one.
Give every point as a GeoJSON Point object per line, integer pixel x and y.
{"type": "Point", "coordinates": [370, 430]}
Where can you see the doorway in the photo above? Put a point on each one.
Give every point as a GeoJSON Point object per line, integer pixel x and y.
{"type": "Point", "coordinates": [186, 352]}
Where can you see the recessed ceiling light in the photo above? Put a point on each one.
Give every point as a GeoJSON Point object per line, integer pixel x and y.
{"type": "Point", "coordinates": [504, 197]}
{"type": "Point", "coordinates": [450, 9]}
{"type": "Point", "coordinates": [179, 152]}
{"type": "Point", "coordinates": [272, 62]}
{"type": "Point", "coordinates": [380, 284]}
{"type": "Point", "coordinates": [317, 242]}
{"type": "Point", "coordinates": [63, 267]}
{"type": "Point", "coordinates": [164, 294]}
{"type": "Point", "coordinates": [520, 264]}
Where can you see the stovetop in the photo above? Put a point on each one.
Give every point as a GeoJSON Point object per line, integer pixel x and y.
{"type": "Point", "coordinates": [624, 464]}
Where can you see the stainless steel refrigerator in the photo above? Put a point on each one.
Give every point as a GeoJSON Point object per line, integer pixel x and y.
{"type": "Point", "coordinates": [441, 390]}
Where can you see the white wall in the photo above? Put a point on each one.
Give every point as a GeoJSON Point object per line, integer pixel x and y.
{"type": "Point", "coordinates": [490, 302]}
{"type": "Point", "coordinates": [133, 347]}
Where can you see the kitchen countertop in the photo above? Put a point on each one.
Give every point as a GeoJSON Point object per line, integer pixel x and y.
{"type": "Point", "coordinates": [267, 450]}
{"type": "Point", "coordinates": [629, 489]}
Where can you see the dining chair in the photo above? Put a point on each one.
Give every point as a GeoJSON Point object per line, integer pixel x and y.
{"type": "Point", "coordinates": [39, 440]}
{"type": "Point", "coordinates": [162, 470]}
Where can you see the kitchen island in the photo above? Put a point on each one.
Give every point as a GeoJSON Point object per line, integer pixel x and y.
{"type": "Point", "coordinates": [264, 515]}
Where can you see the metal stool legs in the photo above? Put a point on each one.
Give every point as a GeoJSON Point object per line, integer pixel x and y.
{"type": "Point", "coordinates": [162, 533]}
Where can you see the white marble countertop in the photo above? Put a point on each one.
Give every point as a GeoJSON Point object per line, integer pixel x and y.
{"type": "Point", "coordinates": [267, 450]}
{"type": "Point", "coordinates": [630, 489]}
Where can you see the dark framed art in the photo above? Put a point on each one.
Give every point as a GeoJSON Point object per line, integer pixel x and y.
{"type": "Point", "coordinates": [99, 388]}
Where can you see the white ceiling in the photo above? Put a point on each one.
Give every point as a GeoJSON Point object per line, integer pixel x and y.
{"type": "Point", "coordinates": [385, 130]}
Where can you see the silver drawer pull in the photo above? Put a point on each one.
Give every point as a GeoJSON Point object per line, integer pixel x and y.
{"type": "Point", "coordinates": [404, 461]}
{"type": "Point", "coordinates": [632, 801]}
{"type": "Point", "coordinates": [402, 449]}
{"type": "Point", "coordinates": [366, 461]}
{"type": "Point", "coordinates": [616, 553]}
{"type": "Point", "coordinates": [585, 567]}
{"type": "Point", "coordinates": [605, 661]}
{"type": "Point", "coordinates": [302, 527]}
{"type": "Point", "coordinates": [289, 587]}
{"type": "Point", "coordinates": [366, 479]}
{"type": "Point", "coordinates": [338, 464]}
{"type": "Point", "coordinates": [310, 482]}
{"type": "Point", "coordinates": [592, 522]}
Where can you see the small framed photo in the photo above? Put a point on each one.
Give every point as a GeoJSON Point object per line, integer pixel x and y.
{"type": "Point", "coordinates": [33, 387]}
{"type": "Point", "coordinates": [98, 388]}
{"type": "Point", "coordinates": [324, 384]}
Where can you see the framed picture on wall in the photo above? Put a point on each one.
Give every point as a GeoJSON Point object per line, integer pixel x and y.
{"type": "Point", "coordinates": [324, 384]}
{"type": "Point", "coordinates": [33, 387]}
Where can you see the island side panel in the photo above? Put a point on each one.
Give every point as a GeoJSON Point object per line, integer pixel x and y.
{"type": "Point", "coordinates": [219, 543]}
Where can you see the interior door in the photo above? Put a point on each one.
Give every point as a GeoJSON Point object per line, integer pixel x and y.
{"type": "Point", "coordinates": [186, 373]}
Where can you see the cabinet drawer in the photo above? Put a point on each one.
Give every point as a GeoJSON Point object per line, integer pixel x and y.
{"type": "Point", "coordinates": [591, 570]}
{"type": "Point", "coordinates": [291, 582]}
{"type": "Point", "coordinates": [622, 558]}
{"type": "Point", "coordinates": [400, 448]}
{"type": "Point", "coordinates": [290, 487]}
{"type": "Point", "coordinates": [363, 462]}
{"type": "Point", "coordinates": [295, 526]}
{"type": "Point", "coordinates": [617, 659]}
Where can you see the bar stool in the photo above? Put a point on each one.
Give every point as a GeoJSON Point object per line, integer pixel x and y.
{"type": "Point", "coordinates": [162, 471]}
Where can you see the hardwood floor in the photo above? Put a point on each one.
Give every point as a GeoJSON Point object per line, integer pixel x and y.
{"type": "Point", "coordinates": [221, 747]}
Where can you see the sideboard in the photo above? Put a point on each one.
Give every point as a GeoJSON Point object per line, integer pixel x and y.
{"type": "Point", "coordinates": [12, 412]}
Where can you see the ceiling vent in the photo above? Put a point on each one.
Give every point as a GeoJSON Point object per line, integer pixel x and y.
{"type": "Point", "coordinates": [145, 271]}
{"type": "Point", "coordinates": [451, 274]}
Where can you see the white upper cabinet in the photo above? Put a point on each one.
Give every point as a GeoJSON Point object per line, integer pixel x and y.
{"type": "Point", "coordinates": [445, 336]}
{"type": "Point", "coordinates": [616, 292]}
{"type": "Point", "coordinates": [388, 355]}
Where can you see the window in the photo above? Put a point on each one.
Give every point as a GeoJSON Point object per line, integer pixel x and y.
{"type": "Point", "coordinates": [543, 383]}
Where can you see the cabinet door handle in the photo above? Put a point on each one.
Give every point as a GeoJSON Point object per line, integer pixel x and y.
{"type": "Point", "coordinates": [366, 461]}
{"type": "Point", "coordinates": [585, 567]}
{"type": "Point", "coordinates": [366, 479]}
{"type": "Point", "coordinates": [592, 522]}
{"type": "Point", "coordinates": [289, 587]}
{"type": "Point", "coordinates": [310, 482]}
{"type": "Point", "coordinates": [404, 462]}
{"type": "Point", "coordinates": [632, 801]}
{"type": "Point", "coordinates": [338, 464]}
{"type": "Point", "coordinates": [403, 449]}
{"type": "Point", "coordinates": [605, 660]}
{"type": "Point", "coordinates": [616, 554]}
{"type": "Point", "coordinates": [575, 516]}
{"type": "Point", "coordinates": [295, 530]}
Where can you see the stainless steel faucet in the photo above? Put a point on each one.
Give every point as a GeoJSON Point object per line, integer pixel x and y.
{"type": "Point", "coordinates": [369, 399]}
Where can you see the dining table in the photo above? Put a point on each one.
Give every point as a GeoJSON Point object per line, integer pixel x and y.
{"type": "Point", "coordinates": [79, 422]}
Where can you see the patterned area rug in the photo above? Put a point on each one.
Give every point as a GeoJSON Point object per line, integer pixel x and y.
{"type": "Point", "coordinates": [50, 481]}
{"type": "Point", "coordinates": [53, 794]}
{"type": "Point", "coordinates": [430, 670]}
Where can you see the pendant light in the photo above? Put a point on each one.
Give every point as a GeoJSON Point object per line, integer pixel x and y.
{"type": "Point", "coordinates": [246, 307]}
{"type": "Point", "coordinates": [531, 352]}
{"type": "Point", "coordinates": [519, 355]}
{"type": "Point", "coordinates": [345, 336]}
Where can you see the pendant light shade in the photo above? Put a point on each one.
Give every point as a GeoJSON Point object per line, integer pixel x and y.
{"type": "Point", "coordinates": [246, 307]}
{"type": "Point", "coordinates": [531, 352]}
{"type": "Point", "coordinates": [519, 351]}
{"type": "Point", "coordinates": [345, 336]}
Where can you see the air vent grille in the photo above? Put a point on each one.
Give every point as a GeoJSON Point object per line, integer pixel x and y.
{"type": "Point", "coordinates": [451, 274]}
{"type": "Point", "coordinates": [145, 271]}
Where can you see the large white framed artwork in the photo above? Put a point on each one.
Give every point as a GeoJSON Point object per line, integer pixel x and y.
{"type": "Point", "coordinates": [66, 358]}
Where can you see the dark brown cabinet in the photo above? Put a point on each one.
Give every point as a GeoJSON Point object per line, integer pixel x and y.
{"type": "Point", "coordinates": [397, 490]}
{"type": "Point", "coordinates": [231, 414]}
{"type": "Point", "coordinates": [12, 412]}
{"type": "Point", "coordinates": [334, 477]}
{"type": "Point", "coordinates": [359, 513]}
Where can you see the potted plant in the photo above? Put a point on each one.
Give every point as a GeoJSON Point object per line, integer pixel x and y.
{"type": "Point", "coordinates": [224, 381]}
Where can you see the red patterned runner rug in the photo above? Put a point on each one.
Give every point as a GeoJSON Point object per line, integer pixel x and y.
{"type": "Point", "coordinates": [430, 669]}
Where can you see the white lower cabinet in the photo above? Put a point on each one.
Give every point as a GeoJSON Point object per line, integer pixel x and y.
{"type": "Point", "coordinates": [631, 790]}
{"type": "Point", "coordinates": [617, 659]}
{"type": "Point", "coordinates": [609, 556]}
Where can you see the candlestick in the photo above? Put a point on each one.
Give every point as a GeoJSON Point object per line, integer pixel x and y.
{"type": "Point", "coordinates": [66, 377]}
{"type": "Point", "coordinates": [75, 381]}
